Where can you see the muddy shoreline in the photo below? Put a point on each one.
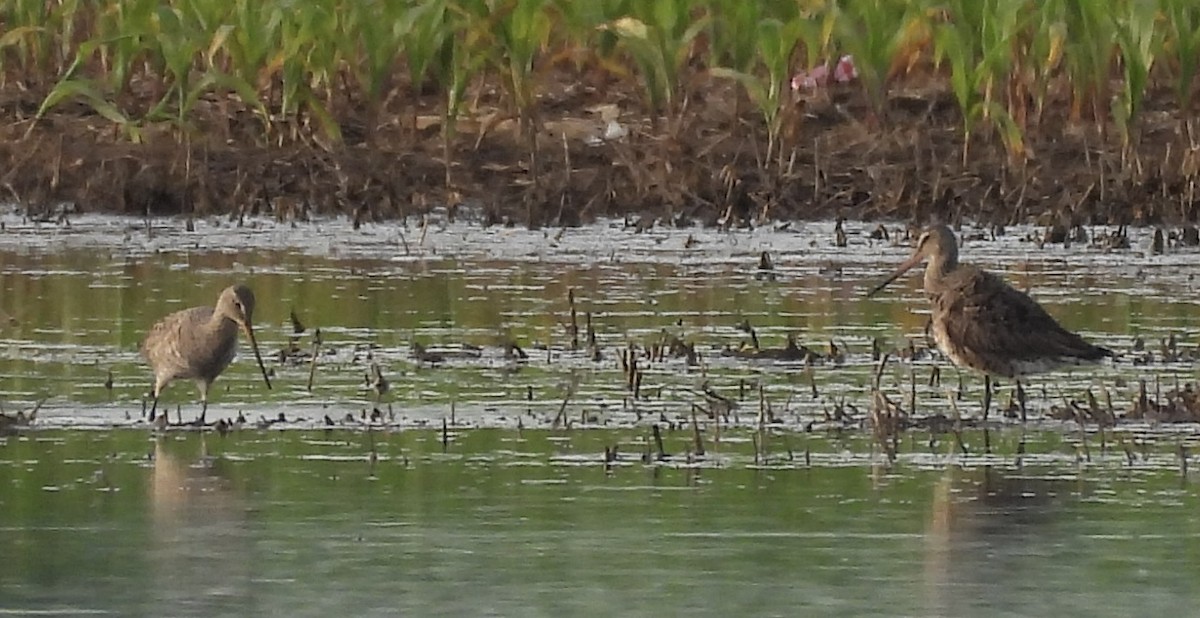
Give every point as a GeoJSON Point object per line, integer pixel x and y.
{"type": "Point", "coordinates": [702, 167]}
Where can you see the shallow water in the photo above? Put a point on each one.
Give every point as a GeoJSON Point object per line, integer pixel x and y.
{"type": "Point", "coordinates": [77, 299]}
{"type": "Point", "coordinates": [498, 514]}
{"type": "Point", "coordinates": [532, 523]}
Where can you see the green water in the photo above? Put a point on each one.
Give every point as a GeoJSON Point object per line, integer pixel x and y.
{"type": "Point", "coordinates": [501, 523]}
{"type": "Point", "coordinates": [76, 302]}
{"type": "Point", "coordinates": [791, 510]}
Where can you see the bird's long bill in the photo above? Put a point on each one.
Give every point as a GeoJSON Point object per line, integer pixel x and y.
{"type": "Point", "coordinates": [257, 356]}
{"type": "Point", "coordinates": [908, 265]}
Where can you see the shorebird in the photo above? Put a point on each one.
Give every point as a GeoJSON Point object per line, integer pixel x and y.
{"type": "Point", "coordinates": [982, 323]}
{"type": "Point", "coordinates": [199, 343]}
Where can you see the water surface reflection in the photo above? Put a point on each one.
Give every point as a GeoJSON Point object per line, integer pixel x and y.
{"type": "Point", "coordinates": [506, 523]}
{"type": "Point", "coordinates": [202, 554]}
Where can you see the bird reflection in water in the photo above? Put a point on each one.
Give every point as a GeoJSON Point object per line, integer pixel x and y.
{"type": "Point", "coordinates": [201, 541]}
{"type": "Point", "coordinates": [988, 532]}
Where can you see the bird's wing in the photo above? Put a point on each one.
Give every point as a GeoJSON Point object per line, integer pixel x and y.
{"type": "Point", "coordinates": [168, 341]}
{"type": "Point", "coordinates": [994, 319]}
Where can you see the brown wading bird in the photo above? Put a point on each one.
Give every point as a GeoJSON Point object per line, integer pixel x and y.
{"type": "Point", "coordinates": [199, 343]}
{"type": "Point", "coordinates": [981, 322]}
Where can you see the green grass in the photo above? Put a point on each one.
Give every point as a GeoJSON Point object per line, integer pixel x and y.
{"type": "Point", "coordinates": [301, 67]}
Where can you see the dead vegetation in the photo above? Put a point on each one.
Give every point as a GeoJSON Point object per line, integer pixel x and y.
{"type": "Point", "coordinates": [707, 170]}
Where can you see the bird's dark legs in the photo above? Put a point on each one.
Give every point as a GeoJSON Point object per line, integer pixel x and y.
{"type": "Point", "coordinates": [987, 396]}
{"type": "Point", "coordinates": [203, 386]}
{"type": "Point", "coordinates": [1021, 399]}
{"type": "Point", "coordinates": [156, 419]}
{"type": "Point", "coordinates": [203, 410]}
{"type": "Point", "coordinates": [162, 418]}
{"type": "Point", "coordinates": [154, 404]}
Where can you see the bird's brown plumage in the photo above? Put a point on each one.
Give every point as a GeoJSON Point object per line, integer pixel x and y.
{"type": "Point", "coordinates": [200, 342]}
{"type": "Point", "coordinates": [981, 322]}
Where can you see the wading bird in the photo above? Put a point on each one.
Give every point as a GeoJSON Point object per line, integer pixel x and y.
{"type": "Point", "coordinates": [982, 323]}
{"type": "Point", "coordinates": [199, 343]}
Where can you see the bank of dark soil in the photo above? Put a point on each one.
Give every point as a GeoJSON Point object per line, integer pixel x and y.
{"type": "Point", "coordinates": [703, 166]}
